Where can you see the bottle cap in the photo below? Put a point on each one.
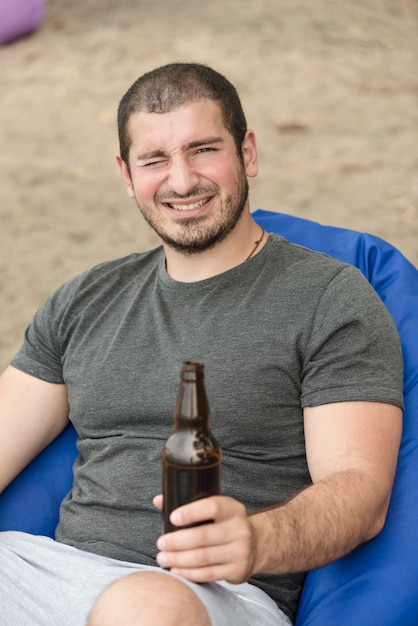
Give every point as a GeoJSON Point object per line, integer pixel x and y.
{"type": "Point", "coordinates": [191, 370]}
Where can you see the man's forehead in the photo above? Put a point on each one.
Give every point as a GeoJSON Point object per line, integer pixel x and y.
{"type": "Point", "coordinates": [182, 126]}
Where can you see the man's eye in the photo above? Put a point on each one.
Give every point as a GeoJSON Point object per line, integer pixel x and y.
{"type": "Point", "coordinates": [205, 151]}
{"type": "Point", "coordinates": [152, 164]}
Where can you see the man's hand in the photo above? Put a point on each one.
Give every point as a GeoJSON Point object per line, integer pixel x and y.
{"type": "Point", "coordinates": [222, 550]}
{"type": "Point", "coordinates": [351, 449]}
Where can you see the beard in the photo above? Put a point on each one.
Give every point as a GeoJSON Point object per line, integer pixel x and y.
{"type": "Point", "coordinates": [196, 235]}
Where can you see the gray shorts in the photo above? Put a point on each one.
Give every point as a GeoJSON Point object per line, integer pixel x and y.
{"type": "Point", "coordinates": [46, 583]}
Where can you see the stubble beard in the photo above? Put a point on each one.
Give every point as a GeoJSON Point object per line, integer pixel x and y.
{"type": "Point", "coordinates": [196, 236]}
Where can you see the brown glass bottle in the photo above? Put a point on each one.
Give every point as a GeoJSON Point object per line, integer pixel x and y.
{"type": "Point", "coordinates": [191, 455]}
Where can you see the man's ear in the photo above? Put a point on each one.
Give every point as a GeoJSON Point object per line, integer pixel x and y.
{"type": "Point", "coordinates": [126, 177]}
{"type": "Point", "coordinates": [249, 152]}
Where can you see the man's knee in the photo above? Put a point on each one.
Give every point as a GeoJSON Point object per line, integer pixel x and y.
{"type": "Point", "coordinates": [148, 599]}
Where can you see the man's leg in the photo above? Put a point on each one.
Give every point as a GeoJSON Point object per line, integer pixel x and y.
{"type": "Point", "coordinates": [148, 599]}
{"type": "Point", "coordinates": [43, 583]}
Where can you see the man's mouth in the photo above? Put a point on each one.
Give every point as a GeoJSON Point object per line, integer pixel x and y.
{"type": "Point", "coordinates": [188, 207]}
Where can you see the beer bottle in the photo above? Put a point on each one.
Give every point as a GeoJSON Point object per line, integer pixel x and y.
{"type": "Point", "coordinates": [191, 456]}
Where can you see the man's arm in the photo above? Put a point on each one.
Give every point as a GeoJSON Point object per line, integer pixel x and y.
{"type": "Point", "coordinates": [32, 413]}
{"type": "Point", "coordinates": [352, 449]}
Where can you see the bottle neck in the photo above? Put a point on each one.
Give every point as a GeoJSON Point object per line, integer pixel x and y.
{"type": "Point", "coordinates": [192, 410]}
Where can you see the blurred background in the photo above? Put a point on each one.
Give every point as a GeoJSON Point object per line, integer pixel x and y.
{"type": "Point", "coordinates": [330, 88]}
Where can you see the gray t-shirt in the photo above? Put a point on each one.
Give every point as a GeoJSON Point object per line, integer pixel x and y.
{"type": "Point", "coordinates": [287, 329]}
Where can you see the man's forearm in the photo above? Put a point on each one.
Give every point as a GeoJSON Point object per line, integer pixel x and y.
{"type": "Point", "coordinates": [320, 524]}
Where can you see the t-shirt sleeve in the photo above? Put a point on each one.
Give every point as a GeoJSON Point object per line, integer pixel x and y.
{"type": "Point", "coordinates": [354, 350]}
{"type": "Point", "coordinates": [41, 352]}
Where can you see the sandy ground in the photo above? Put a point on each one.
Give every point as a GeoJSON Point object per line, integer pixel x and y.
{"type": "Point", "coordinates": [331, 89]}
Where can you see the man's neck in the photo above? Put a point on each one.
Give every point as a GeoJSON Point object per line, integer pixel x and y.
{"type": "Point", "coordinates": [245, 241]}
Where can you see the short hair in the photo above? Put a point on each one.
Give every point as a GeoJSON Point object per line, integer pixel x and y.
{"type": "Point", "coordinates": [171, 86]}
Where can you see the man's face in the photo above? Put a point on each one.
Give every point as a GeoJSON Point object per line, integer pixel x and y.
{"type": "Point", "coordinates": [186, 176]}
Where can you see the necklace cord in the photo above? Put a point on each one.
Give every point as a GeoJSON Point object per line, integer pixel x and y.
{"type": "Point", "coordinates": [257, 243]}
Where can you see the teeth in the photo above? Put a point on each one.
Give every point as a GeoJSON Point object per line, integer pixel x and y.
{"type": "Point", "coordinates": [188, 207]}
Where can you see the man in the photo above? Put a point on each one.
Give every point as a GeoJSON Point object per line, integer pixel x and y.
{"type": "Point", "coordinates": [303, 374]}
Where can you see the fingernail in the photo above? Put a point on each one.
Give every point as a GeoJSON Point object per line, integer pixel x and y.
{"type": "Point", "coordinates": [175, 518]}
{"type": "Point", "coordinates": [161, 543]}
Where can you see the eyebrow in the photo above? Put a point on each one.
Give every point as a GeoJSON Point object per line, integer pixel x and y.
{"type": "Point", "coordinates": [198, 143]}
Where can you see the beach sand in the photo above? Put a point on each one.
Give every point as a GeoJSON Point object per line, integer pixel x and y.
{"type": "Point", "coordinates": [330, 88]}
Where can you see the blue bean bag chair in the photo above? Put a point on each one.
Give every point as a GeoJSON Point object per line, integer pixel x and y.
{"type": "Point", "coordinates": [19, 18]}
{"type": "Point", "coordinates": [375, 585]}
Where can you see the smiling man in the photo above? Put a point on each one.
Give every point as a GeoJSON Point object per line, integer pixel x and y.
{"type": "Point", "coordinates": [304, 378]}
{"type": "Point", "coordinates": [188, 176]}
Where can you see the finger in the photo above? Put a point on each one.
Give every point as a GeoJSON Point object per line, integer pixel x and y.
{"type": "Point", "coordinates": [202, 557]}
{"type": "Point", "coordinates": [158, 501]}
{"type": "Point", "coordinates": [207, 556]}
{"type": "Point", "coordinates": [214, 508]}
{"type": "Point", "coordinates": [192, 538]}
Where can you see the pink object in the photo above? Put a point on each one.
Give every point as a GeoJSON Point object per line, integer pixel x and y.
{"type": "Point", "coordinates": [19, 18]}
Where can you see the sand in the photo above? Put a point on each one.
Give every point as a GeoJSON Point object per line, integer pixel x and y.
{"type": "Point", "coordinates": [330, 88]}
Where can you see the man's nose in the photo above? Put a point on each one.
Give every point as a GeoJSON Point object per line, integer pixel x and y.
{"type": "Point", "coordinates": [182, 177]}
